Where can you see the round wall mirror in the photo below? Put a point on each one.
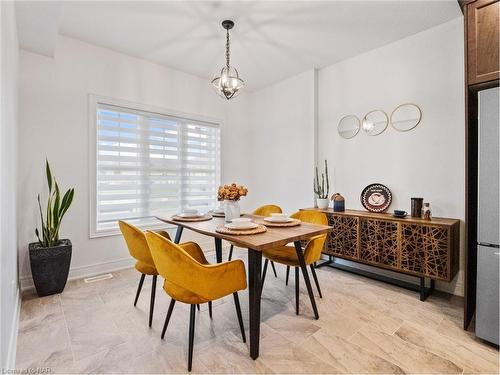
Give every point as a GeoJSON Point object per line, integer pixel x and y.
{"type": "Point", "coordinates": [348, 126]}
{"type": "Point", "coordinates": [375, 122]}
{"type": "Point", "coordinates": [405, 117]}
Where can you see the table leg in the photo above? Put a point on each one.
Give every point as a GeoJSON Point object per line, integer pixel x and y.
{"type": "Point", "coordinates": [300, 256]}
{"type": "Point", "coordinates": [178, 234]}
{"type": "Point", "coordinates": [218, 249]}
{"type": "Point", "coordinates": [254, 292]}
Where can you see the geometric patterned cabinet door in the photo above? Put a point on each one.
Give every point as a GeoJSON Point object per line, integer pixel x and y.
{"type": "Point", "coordinates": [379, 242]}
{"type": "Point", "coordinates": [425, 250]}
{"type": "Point", "coordinates": [344, 237]}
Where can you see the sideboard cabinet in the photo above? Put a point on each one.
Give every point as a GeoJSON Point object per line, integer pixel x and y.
{"type": "Point", "coordinates": [413, 246]}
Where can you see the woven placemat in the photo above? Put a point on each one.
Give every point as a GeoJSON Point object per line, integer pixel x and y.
{"type": "Point", "coordinates": [198, 218]}
{"type": "Point", "coordinates": [293, 223]}
{"type": "Point", "coordinates": [260, 229]}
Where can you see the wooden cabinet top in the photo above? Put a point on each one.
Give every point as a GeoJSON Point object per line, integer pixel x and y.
{"type": "Point", "coordinates": [387, 216]}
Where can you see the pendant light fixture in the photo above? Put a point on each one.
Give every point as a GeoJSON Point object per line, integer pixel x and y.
{"type": "Point", "coordinates": [228, 83]}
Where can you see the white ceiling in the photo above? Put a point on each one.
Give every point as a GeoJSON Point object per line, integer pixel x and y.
{"type": "Point", "coordinates": [272, 40]}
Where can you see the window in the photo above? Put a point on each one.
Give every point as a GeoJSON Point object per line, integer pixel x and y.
{"type": "Point", "coordinates": [151, 164]}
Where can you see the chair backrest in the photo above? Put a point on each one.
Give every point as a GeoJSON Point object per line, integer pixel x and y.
{"type": "Point", "coordinates": [267, 210]}
{"type": "Point", "coordinates": [314, 247]}
{"type": "Point", "coordinates": [136, 243]}
{"type": "Point", "coordinates": [173, 263]}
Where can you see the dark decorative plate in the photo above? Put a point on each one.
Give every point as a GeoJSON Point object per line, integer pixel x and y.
{"type": "Point", "coordinates": [376, 198]}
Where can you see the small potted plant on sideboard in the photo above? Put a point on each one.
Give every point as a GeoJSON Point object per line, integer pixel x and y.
{"type": "Point", "coordinates": [50, 257]}
{"type": "Point", "coordinates": [320, 189]}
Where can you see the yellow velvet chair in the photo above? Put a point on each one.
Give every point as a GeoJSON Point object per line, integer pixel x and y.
{"type": "Point", "coordinates": [266, 210]}
{"type": "Point", "coordinates": [190, 279]}
{"type": "Point", "coordinates": [287, 255]}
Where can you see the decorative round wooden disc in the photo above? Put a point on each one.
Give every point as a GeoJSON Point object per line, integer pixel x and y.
{"type": "Point", "coordinates": [293, 223]}
{"type": "Point", "coordinates": [197, 218]}
{"type": "Point", "coordinates": [241, 232]}
{"type": "Point", "coordinates": [376, 198]}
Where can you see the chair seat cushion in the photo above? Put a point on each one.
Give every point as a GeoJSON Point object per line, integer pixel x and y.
{"type": "Point", "coordinates": [283, 254]}
{"type": "Point", "coordinates": [182, 295]}
{"type": "Point", "coordinates": [145, 268]}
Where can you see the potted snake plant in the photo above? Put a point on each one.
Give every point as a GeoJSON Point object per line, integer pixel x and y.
{"type": "Point", "coordinates": [50, 257]}
{"type": "Point", "coordinates": [320, 189]}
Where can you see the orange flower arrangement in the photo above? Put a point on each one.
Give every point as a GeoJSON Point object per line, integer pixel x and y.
{"type": "Point", "coordinates": [231, 192]}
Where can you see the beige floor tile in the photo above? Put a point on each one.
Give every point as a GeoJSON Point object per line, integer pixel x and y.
{"type": "Point", "coordinates": [467, 354]}
{"type": "Point", "coordinates": [409, 357]}
{"type": "Point", "coordinates": [347, 357]}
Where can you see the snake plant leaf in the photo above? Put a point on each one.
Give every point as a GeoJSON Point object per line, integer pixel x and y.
{"type": "Point", "coordinates": [66, 202]}
{"type": "Point", "coordinates": [57, 202]}
{"type": "Point", "coordinates": [49, 175]}
{"type": "Point", "coordinates": [40, 207]}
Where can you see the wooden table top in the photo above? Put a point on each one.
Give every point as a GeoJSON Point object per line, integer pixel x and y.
{"type": "Point", "coordinates": [386, 216]}
{"type": "Point", "coordinates": [275, 236]}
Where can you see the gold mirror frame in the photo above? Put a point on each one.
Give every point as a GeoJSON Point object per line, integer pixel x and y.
{"type": "Point", "coordinates": [357, 130]}
{"type": "Point", "coordinates": [381, 131]}
{"type": "Point", "coordinates": [414, 126]}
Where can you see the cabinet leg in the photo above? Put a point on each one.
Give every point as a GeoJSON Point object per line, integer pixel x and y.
{"type": "Point", "coordinates": [424, 291]}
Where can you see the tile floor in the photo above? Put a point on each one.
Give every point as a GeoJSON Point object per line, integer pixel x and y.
{"type": "Point", "coordinates": [365, 327]}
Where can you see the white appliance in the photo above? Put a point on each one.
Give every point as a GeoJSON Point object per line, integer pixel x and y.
{"type": "Point", "coordinates": [488, 251]}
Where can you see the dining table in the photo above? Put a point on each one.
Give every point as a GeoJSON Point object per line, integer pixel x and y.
{"type": "Point", "coordinates": [255, 243]}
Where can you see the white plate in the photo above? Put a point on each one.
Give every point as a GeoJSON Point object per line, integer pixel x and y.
{"type": "Point", "coordinates": [218, 211]}
{"type": "Point", "coordinates": [241, 226]}
{"type": "Point", "coordinates": [184, 214]}
{"type": "Point", "coordinates": [272, 219]}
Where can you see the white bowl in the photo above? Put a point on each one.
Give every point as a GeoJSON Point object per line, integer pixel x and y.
{"type": "Point", "coordinates": [241, 220]}
{"type": "Point", "coordinates": [273, 219]}
{"type": "Point", "coordinates": [246, 225]}
{"type": "Point", "coordinates": [278, 215]}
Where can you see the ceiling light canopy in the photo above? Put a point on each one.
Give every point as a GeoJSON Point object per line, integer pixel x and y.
{"type": "Point", "coordinates": [228, 83]}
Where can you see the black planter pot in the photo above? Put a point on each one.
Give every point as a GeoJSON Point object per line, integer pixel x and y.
{"type": "Point", "coordinates": [50, 266]}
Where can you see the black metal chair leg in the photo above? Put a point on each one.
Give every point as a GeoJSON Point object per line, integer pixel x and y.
{"type": "Point", "coordinates": [191, 336]}
{"type": "Point", "coordinates": [274, 269]}
{"type": "Point", "coordinates": [296, 290]}
{"type": "Point", "coordinates": [263, 278]}
{"type": "Point", "coordinates": [198, 307]}
{"type": "Point", "coordinates": [230, 252]}
{"type": "Point", "coordinates": [210, 309]}
{"type": "Point", "coordinates": [316, 279]}
{"type": "Point", "coordinates": [303, 267]}
{"type": "Point", "coordinates": [167, 318]}
{"type": "Point", "coordinates": [287, 274]}
{"type": "Point", "coordinates": [141, 281]}
{"type": "Point", "coordinates": [240, 318]}
{"type": "Point", "coordinates": [152, 303]}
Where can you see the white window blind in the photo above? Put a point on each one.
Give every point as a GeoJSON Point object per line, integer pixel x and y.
{"type": "Point", "coordinates": [151, 164]}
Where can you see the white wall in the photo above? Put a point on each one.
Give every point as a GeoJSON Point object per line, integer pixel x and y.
{"type": "Point", "coordinates": [9, 290]}
{"type": "Point", "coordinates": [53, 123]}
{"type": "Point", "coordinates": [282, 139]}
{"type": "Point", "coordinates": [426, 69]}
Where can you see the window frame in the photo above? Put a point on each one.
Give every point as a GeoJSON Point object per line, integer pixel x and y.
{"type": "Point", "coordinates": [93, 101]}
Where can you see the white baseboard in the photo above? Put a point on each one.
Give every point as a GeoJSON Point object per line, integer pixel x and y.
{"type": "Point", "coordinates": [11, 354]}
{"type": "Point", "coordinates": [85, 271]}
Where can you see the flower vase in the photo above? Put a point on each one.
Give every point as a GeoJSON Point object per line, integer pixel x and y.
{"type": "Point", "coordinates": [231, 210]}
